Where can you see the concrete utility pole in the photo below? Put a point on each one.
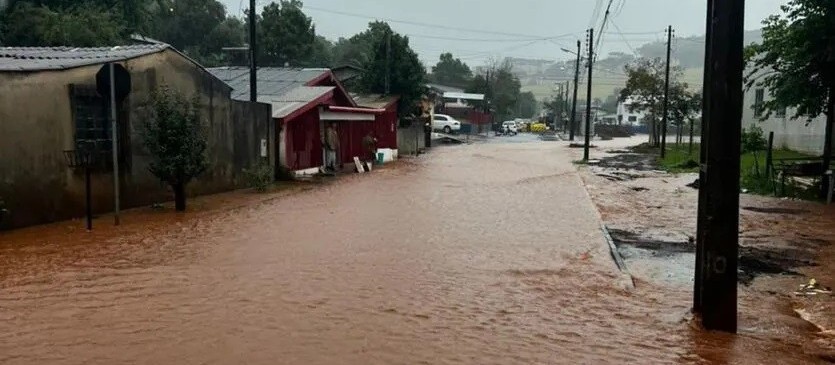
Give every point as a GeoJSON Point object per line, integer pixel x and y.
{"type": "Point", "coordinates": [588, 97]}
{"type": "Point", "coordinates": [558, 113]}
{"type": "Point", "coordinates": [715, 294]}
{"type": "Point", "coordinates": [574, 103]}
{"type": "Point", "coordinates": [253, 62]}
{"type": "Point", "coordinates": [664, 117]}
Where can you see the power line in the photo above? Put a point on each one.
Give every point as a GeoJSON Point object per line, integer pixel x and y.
{"type": "Point", "coordinates": [624, 38]}
{"type": "Point", "coordinates": [487, 39]}
{"type": "Point", "coordinates": [434, 26]}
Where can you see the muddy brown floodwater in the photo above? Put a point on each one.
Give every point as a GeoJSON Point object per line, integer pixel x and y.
{"type": "Point", "coordinates": [481, 254]}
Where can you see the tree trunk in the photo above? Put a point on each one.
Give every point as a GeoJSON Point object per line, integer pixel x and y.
{"type": "Point", "coordinates": [179, 197]}
{"type": "Point", "coordinates": [827, 143]}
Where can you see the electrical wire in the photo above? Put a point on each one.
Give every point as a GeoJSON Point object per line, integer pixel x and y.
{"type": "Point", "coordinates": [434, 26]}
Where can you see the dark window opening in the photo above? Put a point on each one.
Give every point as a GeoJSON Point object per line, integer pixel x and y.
{"type": "Point", "coordinates": [759, 101]}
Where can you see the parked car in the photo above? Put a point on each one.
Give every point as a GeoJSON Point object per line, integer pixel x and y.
{"type": "Point", "coordinates": [511, 126]}
{"type": "Point", "coordinates": [445, 123]}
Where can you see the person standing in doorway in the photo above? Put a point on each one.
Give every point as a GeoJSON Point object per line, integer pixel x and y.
{"type": "Point", "coordinates": [370, 144]}
{"type": "Point", "coordinates": [331, 146]}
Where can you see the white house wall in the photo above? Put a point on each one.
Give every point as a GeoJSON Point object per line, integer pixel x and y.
{"type": "Point", "coordinates": [793, 134]}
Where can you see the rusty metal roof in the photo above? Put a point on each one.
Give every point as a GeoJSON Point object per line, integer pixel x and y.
{"type": "Point", "coordinates": [30, 59]}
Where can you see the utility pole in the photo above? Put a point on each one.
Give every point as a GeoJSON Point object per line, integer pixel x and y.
{"type": "Point", "coordinates": [664, 117]}
{"type": "Point", "coordinates": [566, 107]}
{"type": "Point", "coordinates": [558, 113]}
{"type": "Point", "coordinates": [715, 295]}
{"type": "Point", "coordinates": [114, 144]}
{"type": "Point", "coordinates": [388, 63]}
{"type": "Point", "coordinates": [574, 103]}
{"type": "Point", "coordinates": [588, 97]}
{"type": "Point", "coordinates": [253, 62]}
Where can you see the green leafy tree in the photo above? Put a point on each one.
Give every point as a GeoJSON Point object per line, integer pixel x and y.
{"type": "Point", "coordinates": [322, 54]}
{"type": "Point", "coordinates": [796, 63]}
{"type": "Point", "coordinates": [451, 71]}
{"type": "Point", "coordinates": [503, 91]}
{"type": "Point", "coordinates": [391, 58]}
{"type": "Point", "coordinates": [176, 140]}
{"type": "Point", "coordinates": [645, 87]}
{"type": "Point", "coordinates": [287, 35]}
{"type": "Point", "coordinates": [82, 25]}
{"type": "Point", "coordinates": [528, 105]}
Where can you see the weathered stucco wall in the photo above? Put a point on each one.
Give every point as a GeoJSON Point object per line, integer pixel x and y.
{"type": "Point", "coordinates": [36, 126]}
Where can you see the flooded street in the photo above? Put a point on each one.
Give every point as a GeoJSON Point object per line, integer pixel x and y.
{"type": "Point", "coordinates": [481, 254]}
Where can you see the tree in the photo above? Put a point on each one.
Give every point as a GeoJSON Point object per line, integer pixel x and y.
{"type": "Point", "coordinates": [503, 91]}
{"type": "Point", "coordinates": [176, 140]}
{"type": "Point", "coordinates": [287, 35]}
{"type": "Point", "coordinates": [389, 57]}
{"type": "Point", "coordinates": [83, 25]}
{"type": "Point", "coordinates": [451, 71]}
{"type": "Point", "coordinates": [645, 88]}
{"type": "Point", "coordinates": [322, 54]}
{"type": "Point", "coordinates": [528, 106]}
{"type": "Point", "coordinates": [796, 63]}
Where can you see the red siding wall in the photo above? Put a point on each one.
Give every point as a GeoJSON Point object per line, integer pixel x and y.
{"type": "Point", "coordinates": [351, 134]}
{"type": "Point", "coordinates": [386, 128]}
{"type": "Point", "coordinates": [304, 141]}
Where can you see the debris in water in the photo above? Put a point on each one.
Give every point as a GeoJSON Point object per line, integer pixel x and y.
{"type": "Point", "coordinates": [639, 188]}
{"type": "Point", "coordinates": [694, 184]}
{"type": "Point", "coordinates": [812, 288]}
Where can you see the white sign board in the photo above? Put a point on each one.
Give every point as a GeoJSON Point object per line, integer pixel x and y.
{"type": "Point", "coordinates": [263, 147]}
{"type": "Point", "coordinates": [358, 163]}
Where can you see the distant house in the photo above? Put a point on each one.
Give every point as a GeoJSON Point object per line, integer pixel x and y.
{"type": "Point", "coordinates": [49, 105]}
{"type": "Point", "coordinates": [462, 106]}
{"type": "Point", "coordinates": [303, 100]}
{"type": "Point", "coordinates": [627, 116]}
{"type": "Point", "coordinates": [796, 134]}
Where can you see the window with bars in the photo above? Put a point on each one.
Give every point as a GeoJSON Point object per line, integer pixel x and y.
{"type": "Point", "coordinates": [90, 117]}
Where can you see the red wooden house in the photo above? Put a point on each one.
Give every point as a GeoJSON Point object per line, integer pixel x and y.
{"type": "Point", "coordinates": [303, 101]}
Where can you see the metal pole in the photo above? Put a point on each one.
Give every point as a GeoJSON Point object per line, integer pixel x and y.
{"type": "Point", "coordinates": [588, 97]}
{"type": "Point", "coordinates": [253, 55]}
{"type": "Point", "coordinates": [574, 103]}
{"type": "Point", "coordinates": [88, 197]}
{"type": "Point", "coordinates": [666, 95]}
{"type": "Point", "coordinates": [115, 144]}
{"type": "Point", "coordinates": [769, 156]}
{"type": "Point", "coordinates": [718, 241]}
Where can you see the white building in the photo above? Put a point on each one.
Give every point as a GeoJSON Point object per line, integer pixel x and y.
{"type": "Point", "coordinates": [626, 116]}
{"type": "Point", "coordinates": [795, 134]}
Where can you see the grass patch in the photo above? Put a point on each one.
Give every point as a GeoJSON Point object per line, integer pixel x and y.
{"type": "Point", "coordinates": [680, 159]}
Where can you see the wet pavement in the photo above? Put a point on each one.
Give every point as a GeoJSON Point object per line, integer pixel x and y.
{"type": "Point", "coordinates": [489, 253]}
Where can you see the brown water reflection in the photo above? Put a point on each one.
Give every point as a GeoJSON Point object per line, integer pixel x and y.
{"type": "Point", "coordinates": [487, 254]}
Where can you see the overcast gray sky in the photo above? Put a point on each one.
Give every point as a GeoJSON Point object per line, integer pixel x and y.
{"type": "Point", "coordinates": [517, 28]}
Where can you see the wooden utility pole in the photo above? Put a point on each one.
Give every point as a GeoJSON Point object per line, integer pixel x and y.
{"type": "Point", "coordinates": [588, 97]}
{"type": "Point", "coordinates": [715, 297]}
{"type": "Point", "coordinates": [574, 102]}
{"type": "Point", "coordinates": [664, 117]}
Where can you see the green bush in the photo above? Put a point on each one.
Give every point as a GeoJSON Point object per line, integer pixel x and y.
{"type": "Point", "coordinates": [260, 176]}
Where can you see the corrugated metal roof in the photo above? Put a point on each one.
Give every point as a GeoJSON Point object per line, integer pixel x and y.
{"type": "Point", "coordinates": [374, 101]}
{"type": "Point", "coordinates": [17, 59]}
{"type": "Point", "coordinates": [272, 81]}
{"type": "Point", "coordinates": [284, 105]}
{"type": "Point", "coordinates": [445, 88]}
